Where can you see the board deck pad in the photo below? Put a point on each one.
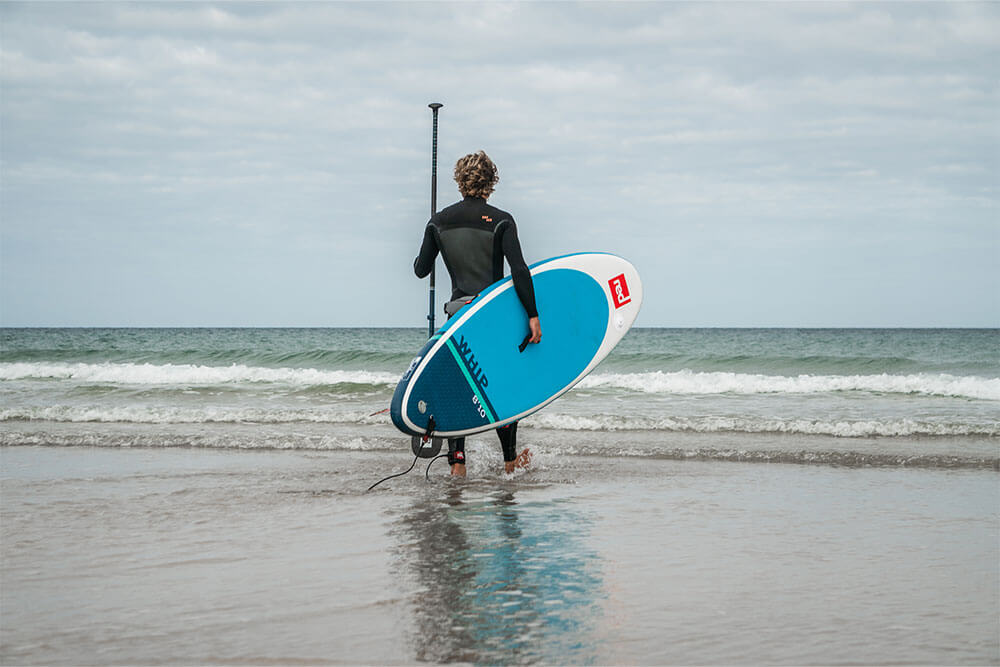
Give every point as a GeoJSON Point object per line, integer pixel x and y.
{"type": "Point", "coordinates": [470, 376]}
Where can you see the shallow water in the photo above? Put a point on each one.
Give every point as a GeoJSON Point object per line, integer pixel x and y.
{"type": "Point", "coordinates": [182, 556]}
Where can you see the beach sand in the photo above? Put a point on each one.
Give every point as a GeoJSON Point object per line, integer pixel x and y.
{"type": "Point", "coordinates": [205, 556]}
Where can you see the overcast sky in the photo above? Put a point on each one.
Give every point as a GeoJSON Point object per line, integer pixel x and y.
{"type": "Point", "coordinates": [264, 164]}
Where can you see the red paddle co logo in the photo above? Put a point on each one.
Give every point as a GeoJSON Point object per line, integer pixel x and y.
{"type": "Point", "coordinates": [619, 291]}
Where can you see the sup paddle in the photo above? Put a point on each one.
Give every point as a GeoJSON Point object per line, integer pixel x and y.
{"type": "Point", "coordinates": [419, 444]}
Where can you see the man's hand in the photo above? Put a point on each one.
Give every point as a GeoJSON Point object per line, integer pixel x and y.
{"type": "Point", "coordinates": [536, 330]}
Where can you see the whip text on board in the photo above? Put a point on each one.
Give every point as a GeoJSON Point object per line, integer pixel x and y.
{"type": "Point", "coordinates": [469, 358]}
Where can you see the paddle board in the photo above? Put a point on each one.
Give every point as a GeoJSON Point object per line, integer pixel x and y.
{"type": "Point", "coordinates": [474, 374]}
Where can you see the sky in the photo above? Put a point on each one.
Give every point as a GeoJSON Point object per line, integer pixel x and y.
{"type": "Point", "coordinates": [268, 164]}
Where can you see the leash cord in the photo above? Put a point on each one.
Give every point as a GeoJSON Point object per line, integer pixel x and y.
{"type": "Point", "coordinates": [427, 473]}
{"type": "Point", "coordinates": [400, 474]}
{"type": "Point", "coordinates": [423, 443]}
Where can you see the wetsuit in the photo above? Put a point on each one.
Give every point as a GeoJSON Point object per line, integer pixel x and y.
{"type": "Point", "coordinates": [474, 238]}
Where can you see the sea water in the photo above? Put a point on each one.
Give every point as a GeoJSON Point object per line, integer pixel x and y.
{"type": "Point", "coordinates": [882, 396]}
{"type": "Point", "coordinates": [198, 496]}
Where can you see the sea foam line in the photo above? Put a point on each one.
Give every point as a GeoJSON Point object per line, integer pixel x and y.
{"type": "Point", "coordinates": [842, 428]}
{"type": "Point", "coordinates": [688, 382]}
{"type": "Point", "coordinates": [553, 455]}
{"type": "Point", "coordinates": [683, 382]}
{"type": "Point", "coordinates": [139, 414]}
{"type": "Point", "coordinates": [188, 374]}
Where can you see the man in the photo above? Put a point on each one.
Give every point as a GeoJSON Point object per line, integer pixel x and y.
{"type": "Point", "coordinates": [474, 238]}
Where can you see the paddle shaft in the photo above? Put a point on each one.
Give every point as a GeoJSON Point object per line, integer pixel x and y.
{"type": "Point", "coordinates": [434, 175]}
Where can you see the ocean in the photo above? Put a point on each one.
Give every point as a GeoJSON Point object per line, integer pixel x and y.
{"type": "Point", "coordinates": [893, 397]}
{"type": "Point", "coordinates": [705, 496]}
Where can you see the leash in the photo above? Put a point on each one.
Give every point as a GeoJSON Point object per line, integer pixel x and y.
{"type": "Point", "coordinates": [423, 443]}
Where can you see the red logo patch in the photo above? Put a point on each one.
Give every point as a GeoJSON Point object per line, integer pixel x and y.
{"type": "Point", "coordinates": [619, 291]}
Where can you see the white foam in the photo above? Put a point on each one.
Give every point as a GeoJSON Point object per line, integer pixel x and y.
{"type": "Point", "coordinates": [140, 414]}
{"type": "Point", "coordinates": [683, 382]}
{"type": "Point", "coordinates": [717, 424]}
{"type": "Point", "coordinates": [690, 382]}
{"type": "Point", "coordinates": [224, 441]}
{"type": "Point", "coordinates": [187, 374]}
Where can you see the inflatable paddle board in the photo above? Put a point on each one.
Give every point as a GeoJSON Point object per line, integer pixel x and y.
{"type": "Point", "coordinates": [474, 374]}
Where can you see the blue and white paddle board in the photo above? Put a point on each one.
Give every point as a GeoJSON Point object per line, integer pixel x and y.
{"type": "Point", "coordinates": [471, 375]}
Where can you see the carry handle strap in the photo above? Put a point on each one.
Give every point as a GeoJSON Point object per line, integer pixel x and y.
{"type": "Point", "coordinates": [524, 343]}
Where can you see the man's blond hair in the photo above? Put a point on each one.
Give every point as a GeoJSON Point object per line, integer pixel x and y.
{"type": "Point", "coordinates": [476, 175]}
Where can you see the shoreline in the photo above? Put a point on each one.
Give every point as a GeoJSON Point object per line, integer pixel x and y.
{"type": "Point", "coordinates": [921, 451]}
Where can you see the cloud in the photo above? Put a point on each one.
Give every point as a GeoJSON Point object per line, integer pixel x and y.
{"type": "Point", "coordinates": [296, 134]}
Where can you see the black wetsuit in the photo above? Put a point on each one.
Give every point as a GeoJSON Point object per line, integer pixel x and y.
{"type": "Point", "coordinates": [474, 238]}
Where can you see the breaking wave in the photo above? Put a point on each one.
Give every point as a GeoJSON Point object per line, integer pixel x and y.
{"type": "Point", "coordinates": [719, 424]}
{"type": "Point", "coordinates": [684, 382]}
{"type": "Point", "coordinates": [690, 382]}
{"type": "Point", "coordinates": [188, 374]}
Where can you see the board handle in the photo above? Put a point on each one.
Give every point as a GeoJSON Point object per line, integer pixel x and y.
{"type": "Point", "coordinates": [524, 343]}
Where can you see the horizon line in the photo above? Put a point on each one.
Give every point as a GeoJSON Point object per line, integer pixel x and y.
{"type": "Point", "coordinates": [417, 327]}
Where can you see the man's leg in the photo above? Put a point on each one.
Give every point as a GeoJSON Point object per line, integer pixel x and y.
{"type": "Point", "coordinates": [508, 441]}
{"type": "Point", "coordinates": [456, 456]}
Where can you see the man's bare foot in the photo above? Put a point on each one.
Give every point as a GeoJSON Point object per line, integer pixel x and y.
{"type": "Point", "coordinates": [522, 461]}
{"type": "Point", "coordinates": [458, 470]}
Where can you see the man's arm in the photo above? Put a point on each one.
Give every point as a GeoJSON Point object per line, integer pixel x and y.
{"type": "Point", "coordinates": [424, 262]}
{"type": "Point", "coordinates": [521, 275]}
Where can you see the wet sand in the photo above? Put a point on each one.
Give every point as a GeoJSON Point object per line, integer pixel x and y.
{"type": "Point", "coordinates": [192, 556]}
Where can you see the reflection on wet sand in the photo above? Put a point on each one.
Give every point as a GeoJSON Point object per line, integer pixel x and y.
{"type": "Point", "coordinates": [497, 580]}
